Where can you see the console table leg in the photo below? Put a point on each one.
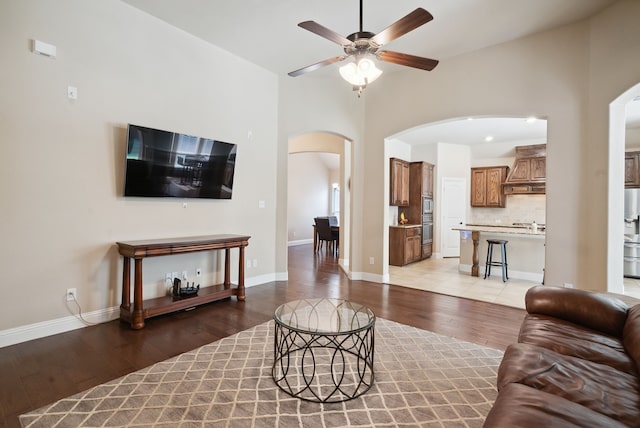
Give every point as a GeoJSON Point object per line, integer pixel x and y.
{"type": "Point", "coordinates": [241, 295]}
{"type": "Point", "coordinates": [227, 268]}
{"type": "Point", "coordinates": [126, 284]}
{"type": "Point", "coordinates": [137, 317]}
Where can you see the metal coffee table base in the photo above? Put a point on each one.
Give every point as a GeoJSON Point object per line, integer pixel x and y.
{"type": "Point", "coordinates": [323, 367]}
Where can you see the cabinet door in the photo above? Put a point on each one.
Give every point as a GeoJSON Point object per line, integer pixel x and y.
{"type": "Point", "coordinates": [538, 169]}
{"type": "Point", "coordinates": [631, 169]}
{"type": "Point", "coordinates": [478, 187]}
{"type": "Point", "coordinates": [494, 196]}
{"type": "Point", "coordinates": [399, 186]}
{"type": "Point", "coordinates": [427, 180]}
{"type": "Point", "coordinates": [412, 249]}
{"type": "Point", "coordinates": [417, 248]}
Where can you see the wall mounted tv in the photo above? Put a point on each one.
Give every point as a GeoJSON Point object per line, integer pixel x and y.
{"type": "Point", "coordinates": [169, 164]}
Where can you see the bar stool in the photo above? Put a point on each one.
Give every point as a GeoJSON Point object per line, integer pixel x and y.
{"type": "Point", "coordinates": [502, 263]}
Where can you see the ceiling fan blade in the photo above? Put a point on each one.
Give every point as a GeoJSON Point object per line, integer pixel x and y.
{"type": "Point", "coordinates": [317, 65]}
{"type": "Point", "coordinates": [408, 60]}
{"type": "Point", "coordinates": [323, 31]}
{"type": "Point", "coordinates": [402, 26]}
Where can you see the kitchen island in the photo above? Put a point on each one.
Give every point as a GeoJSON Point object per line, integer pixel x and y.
{"type": "Point", "coordinates": [525, 250]}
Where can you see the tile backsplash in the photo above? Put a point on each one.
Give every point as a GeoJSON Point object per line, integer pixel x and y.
{"type": "Point", "coordinates": [519, 209]}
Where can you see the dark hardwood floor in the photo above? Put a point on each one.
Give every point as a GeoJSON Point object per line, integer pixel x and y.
{"type": "Point", "coordinates": [35, 373]}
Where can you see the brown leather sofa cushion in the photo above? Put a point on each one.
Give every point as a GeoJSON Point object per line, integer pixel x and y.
{"type": "Point", "coordinates": [572, 339]}
{"type": "Point", "coordinates": [631, 334]}
{"type": "Point", "coordinates": [523, 407]}
{"type": "Point", "coordinates": [598, 387]}
{"type": "Point", "coordinates": [594, 310]}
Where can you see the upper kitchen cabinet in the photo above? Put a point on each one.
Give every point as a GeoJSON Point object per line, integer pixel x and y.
{"type": "Point", "coordinates": [420, 186]}
{"type": "Point", "coordinates": [632, 169]}
{"type": "Point", "coordinates": [486, 186]}
{"type": "Point", "coordinates": [529, 172]}
{"type": "Point", "coordinates": [423, 172]}
{"type": "Point", "coordinates": [399, 186]}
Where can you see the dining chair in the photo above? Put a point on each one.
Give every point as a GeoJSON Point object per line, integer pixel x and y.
{"type": "Point", "coordinates": [325, 235]}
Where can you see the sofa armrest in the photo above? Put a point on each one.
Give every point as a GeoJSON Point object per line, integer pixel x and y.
{"type": "Point", "coordinates": [597, 311]}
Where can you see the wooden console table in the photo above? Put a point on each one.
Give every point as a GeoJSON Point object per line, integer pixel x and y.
{"type": "Point", "coordinates": [138, 250]}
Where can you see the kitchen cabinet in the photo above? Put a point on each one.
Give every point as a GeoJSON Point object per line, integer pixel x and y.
{"type": "Point", "coordinates": [405, 244]}
{"type": "Point", "coordinates": [399, 185]}
{"type": "Point", "coordinates": [426, 174]}
{"type": "Point", "coordinates": [486, 186]}
{"type": "Point", "coordinates": [632, 169]}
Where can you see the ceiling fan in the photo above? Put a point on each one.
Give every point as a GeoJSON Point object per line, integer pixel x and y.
{"type": "Point", "coordinates": [363, 45]}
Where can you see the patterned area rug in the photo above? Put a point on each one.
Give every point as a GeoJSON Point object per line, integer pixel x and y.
{"type": "Point", "coordinates": [421, 379]}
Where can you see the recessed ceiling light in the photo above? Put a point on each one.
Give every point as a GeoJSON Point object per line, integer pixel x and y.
{"type": "Point", "coordinates": [531, 119]}
{"type": "Point", "coordinates": [488, 138]}
{"type": "Point", "coordinates": [469, 118]}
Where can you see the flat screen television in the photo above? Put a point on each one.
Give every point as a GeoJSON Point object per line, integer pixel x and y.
{"type": "Point", "coordinates": [169, 164]}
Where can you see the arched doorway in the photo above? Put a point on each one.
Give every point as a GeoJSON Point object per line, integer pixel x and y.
{"type": "Point", "coordinates": [455, 146]}
{"type": "Point", "coordinates": [322, 143]}
{"type": "Point", "coordinates": [615, 224]}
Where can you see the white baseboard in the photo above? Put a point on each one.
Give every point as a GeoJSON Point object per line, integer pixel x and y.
{"type": "Point", "coordinates": [366, 276]}
{"type": "Point", "coordinates": [38, 330]}
{"type": "Point", "coordinates": [56, 326]}
{"type": "Point", "coordinates": [300, 242]}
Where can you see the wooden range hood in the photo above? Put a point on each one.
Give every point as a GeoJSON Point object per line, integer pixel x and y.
{"type": "Point", "coordinates": [529, 173]}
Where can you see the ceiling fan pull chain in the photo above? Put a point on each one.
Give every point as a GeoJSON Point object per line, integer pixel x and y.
{"type": "Point", "coordinates": [361, 30]}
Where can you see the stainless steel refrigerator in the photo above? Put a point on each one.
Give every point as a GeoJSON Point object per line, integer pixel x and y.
{"type": "Point", "coordinates": [632, 233]}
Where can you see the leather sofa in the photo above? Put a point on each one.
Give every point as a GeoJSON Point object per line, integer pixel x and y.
{"type": "Point", "coordinates": [575, 364]}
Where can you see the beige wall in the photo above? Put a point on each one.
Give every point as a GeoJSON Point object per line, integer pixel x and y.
{"type": "Point", "coordinates": [614, 68]}
{"type": "Point", "coordinates": [309, 193]}
{"type": "Point", "coordinates": [63, 161]}
{"type": "Point", "coordinates": [63, 208]}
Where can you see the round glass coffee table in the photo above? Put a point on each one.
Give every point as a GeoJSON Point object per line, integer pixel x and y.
{"type": "Point", "coordinates": [323, 349]}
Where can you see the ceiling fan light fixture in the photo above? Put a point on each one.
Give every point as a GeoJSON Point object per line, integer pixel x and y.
{"type": "Point", "coordinates": [361, 72]}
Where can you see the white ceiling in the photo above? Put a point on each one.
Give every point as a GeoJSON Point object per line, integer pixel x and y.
{"type": "Point", "coordinates": [265, 32]}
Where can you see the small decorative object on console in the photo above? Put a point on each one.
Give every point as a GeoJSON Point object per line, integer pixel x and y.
{"type": "Point", "coordinates": [188, 291]}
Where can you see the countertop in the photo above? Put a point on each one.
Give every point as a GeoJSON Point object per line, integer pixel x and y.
{"type": "Point", "coordinates": [406, 226]}
{"type": "Point", "coordinates": [512, 230]}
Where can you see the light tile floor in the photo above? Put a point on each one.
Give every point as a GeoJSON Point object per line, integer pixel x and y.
{"type": "Point", "coordinates": [442, 276]}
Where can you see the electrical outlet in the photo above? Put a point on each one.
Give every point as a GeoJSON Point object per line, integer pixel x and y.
{"type": "Point", "coordinates": [568, 285]}
{"type": "Point", "coordinates": [255, 262]}
{"type": "Point", "coordinates": [184, 274]}
{"type": "Point", "coordinates": [168, 277]}
{"type": "Point", "coordinates": [174, 275]}
{"type": "Point", "coordinates": [72, 294]}
{"type": "Point", "coordinates": [371, 260]}
{"type": "Point", "coordinates": [198, 272]}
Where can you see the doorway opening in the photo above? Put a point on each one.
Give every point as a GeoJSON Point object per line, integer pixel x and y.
{"type": "Point", "coordinates": [318, 185]}
{"type": "Point", "coordinates": [624, 136]}
{"type": "Point", "coordinates": [454, 147]}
